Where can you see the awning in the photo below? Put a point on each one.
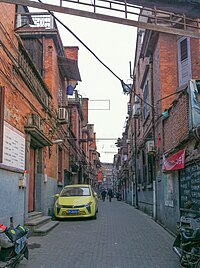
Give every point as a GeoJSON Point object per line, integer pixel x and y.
{"type": "Point", "coordinates": [69, 68]}
{"type": "Point", "coordinates": [38, 137]}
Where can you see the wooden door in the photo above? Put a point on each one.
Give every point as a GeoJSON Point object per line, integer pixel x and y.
{"type": "Point", "coordinates": [31, 180]}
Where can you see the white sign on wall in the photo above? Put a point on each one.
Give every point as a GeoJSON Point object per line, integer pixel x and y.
{"type": "Point", "coordinates": [13, 147]}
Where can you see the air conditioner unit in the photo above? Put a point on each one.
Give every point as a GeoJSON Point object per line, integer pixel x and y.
{"type": "Point", "coordinates": [150, 146]}
{"type": "Point", "coordinates": [62, 114]}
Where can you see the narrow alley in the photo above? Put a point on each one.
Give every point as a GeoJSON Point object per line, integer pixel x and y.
{"type": "Point", "coordinates": [121, 237]}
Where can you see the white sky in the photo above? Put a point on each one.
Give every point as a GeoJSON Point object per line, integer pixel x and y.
{"type": "Point", "coordinates": [114, 44]}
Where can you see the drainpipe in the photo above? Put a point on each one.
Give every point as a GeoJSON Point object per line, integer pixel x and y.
{"type": "Point", "coordinates": [153, 134]}
{"type": "Point", "coordinates": [43, 56]}
{"type": "Point", "coordinates": [135, 156]}
{"type": "Point", "coordinates": [135, 165]}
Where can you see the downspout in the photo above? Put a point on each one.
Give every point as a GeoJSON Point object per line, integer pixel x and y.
{"type": "Point", "coordinates": [43, 56]}
{"type": "Point", "coordinates": [153, 136]}
{"type": "Point", "coordinates": [135, 154]}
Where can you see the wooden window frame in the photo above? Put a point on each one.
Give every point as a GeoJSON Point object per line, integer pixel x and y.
{"type": "Point", "coordinates": [184, 59]}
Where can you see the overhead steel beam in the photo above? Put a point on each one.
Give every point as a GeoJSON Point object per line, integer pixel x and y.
{"type": "Point", "coordinates": [191, 8]}
{"type": "Point", "coordinates": [91, 15]}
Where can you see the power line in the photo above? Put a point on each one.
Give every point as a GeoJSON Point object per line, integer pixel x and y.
{"type": "Point", "coordinates": [124, 85]}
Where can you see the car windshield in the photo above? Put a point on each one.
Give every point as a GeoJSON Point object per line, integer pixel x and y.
{"type": "Point", "coordinates": [75, 191]}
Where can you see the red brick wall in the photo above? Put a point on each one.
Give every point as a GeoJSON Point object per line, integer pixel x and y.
{"type": "Point", "coordinates": [19, 101]}
{"type": "Point", "coordinates": [168, 67]}
{"type": "Point", "coordinates": [176, 126]}
{"type": "Point", "coordinates": [52, 77]}
{"type": "Point", "coordinates": [85, 110]}
{"type": "Point", "coordinates": [72, 53]}
{"type": "Point", "coordinates": [195, 57]}
{"type": "Point", "coordinates": [7, 15]}
{"type": "Point", "coordinates": [157, 79]}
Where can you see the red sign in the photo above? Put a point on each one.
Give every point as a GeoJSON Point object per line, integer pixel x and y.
{"type": "Point", "coordinates": [100, 176]}
{"type": "Point", "coordinates": [176, 161]}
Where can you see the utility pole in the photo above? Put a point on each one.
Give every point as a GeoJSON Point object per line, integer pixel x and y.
{"type": "Point", "coordinates": [135, 155]}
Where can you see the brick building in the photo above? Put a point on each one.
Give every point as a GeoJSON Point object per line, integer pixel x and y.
{"type": "Point", "coordinates": [36, 72]}
{"type": "Point", "coordinates": [163, 126]}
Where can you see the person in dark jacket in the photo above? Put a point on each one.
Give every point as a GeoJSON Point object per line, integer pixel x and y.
{"type": "Point", "coordinates": [103, 195]}
{"type": "Point", "coordinates": [110, 194]}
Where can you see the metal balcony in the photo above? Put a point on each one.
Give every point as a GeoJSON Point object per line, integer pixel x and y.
{"type": "Point", "coordinates": [36, 20]}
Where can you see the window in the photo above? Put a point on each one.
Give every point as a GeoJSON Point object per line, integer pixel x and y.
{"type": "Point", "coordinates": [184, 61]}
{"type": "Point", "coordinates": [75, 191]}
{"type": "Point", "coordinates": [35, 49]}
{"type": "Point", "coordinates": [2, 100]}
{"type": "Point", "coordinates": [144, 167]}
{"type": "Point", "coordinates": [146, 107]}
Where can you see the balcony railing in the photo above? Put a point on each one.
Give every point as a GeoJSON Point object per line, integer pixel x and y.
{"type": "Point", "coordinates": [37, 20]}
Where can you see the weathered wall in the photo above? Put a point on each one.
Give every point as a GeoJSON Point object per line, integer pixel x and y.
{"type": "Point", "coordinates": [176, 126]}
{"type": "Point", "coordinates": [12, 198]}
{"type": "Point", "coordinates": [168, 214]}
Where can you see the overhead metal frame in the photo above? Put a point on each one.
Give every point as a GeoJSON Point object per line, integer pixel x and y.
{"type": "Point", "coordinates": [151, 19]}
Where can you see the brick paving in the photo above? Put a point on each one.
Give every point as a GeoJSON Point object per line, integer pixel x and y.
{"type": "Point", "coordinates": [121, 237]}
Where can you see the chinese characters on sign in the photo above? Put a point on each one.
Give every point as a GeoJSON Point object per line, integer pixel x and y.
{"type": "Point", "coordinates": [176, 161]}
{"type": "Point", "coordinates": [13, 147]}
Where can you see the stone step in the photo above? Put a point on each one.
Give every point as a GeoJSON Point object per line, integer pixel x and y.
{"type": "Point", "coordinates": [44, 229]}
{"type": "Point", "coordinates": [36, 223]}
{"type": "Point", "coordinates": [34, 214]}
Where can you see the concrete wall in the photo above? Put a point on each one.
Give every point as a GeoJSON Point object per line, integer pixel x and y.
{"type": "Point", "coordinates": [145, 200]}
{"type": "Point", "coordinates": [168, 200]}
{"type": "Point", "coordinates": [45, 194]}
{"type": "Point", "coordinates": [13, 198]}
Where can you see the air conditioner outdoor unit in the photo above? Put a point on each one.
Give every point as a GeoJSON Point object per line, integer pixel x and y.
{"type": "Point", "coordinates": [62, 114]}
{"type": "Point", "coordinates": [150, 146]}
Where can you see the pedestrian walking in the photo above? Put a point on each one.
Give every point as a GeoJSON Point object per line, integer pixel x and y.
{"type": "Point", "coordinates": [103, 195]}
{"type": "Point", "coordinates": [110, 194]}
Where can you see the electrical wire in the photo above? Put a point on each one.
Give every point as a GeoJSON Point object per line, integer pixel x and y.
{"type": "Point", "coordinates": [121, 81]}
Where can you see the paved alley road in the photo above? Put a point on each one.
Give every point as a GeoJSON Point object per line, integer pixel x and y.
{"type": "Point", "coordinates": [121, 237]}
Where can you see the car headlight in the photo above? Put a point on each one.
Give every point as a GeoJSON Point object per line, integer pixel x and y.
{"type": "Point", "coordinates": [58, 205]}
{"type": "Point", "coordinates": [88, 206]}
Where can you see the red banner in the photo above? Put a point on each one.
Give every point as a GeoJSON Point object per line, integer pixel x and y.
{"type": "Point", "coordinates": [99, 176]}
{"type": "Point", "coordinates": [176, 161]}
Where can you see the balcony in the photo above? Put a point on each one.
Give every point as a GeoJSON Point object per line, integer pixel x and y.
{"type": "Point", "coordinates": [35, 20]}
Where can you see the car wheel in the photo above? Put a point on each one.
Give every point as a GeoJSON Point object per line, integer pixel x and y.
{"type": "Point", "coordinates": [95, 216]}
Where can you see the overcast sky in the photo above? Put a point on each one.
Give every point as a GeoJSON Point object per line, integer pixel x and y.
{"type": "Point", "coordinates": [114, 44]}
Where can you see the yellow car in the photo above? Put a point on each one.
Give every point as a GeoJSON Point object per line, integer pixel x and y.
{"type": "Point", "coordinates": [78, 200]}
